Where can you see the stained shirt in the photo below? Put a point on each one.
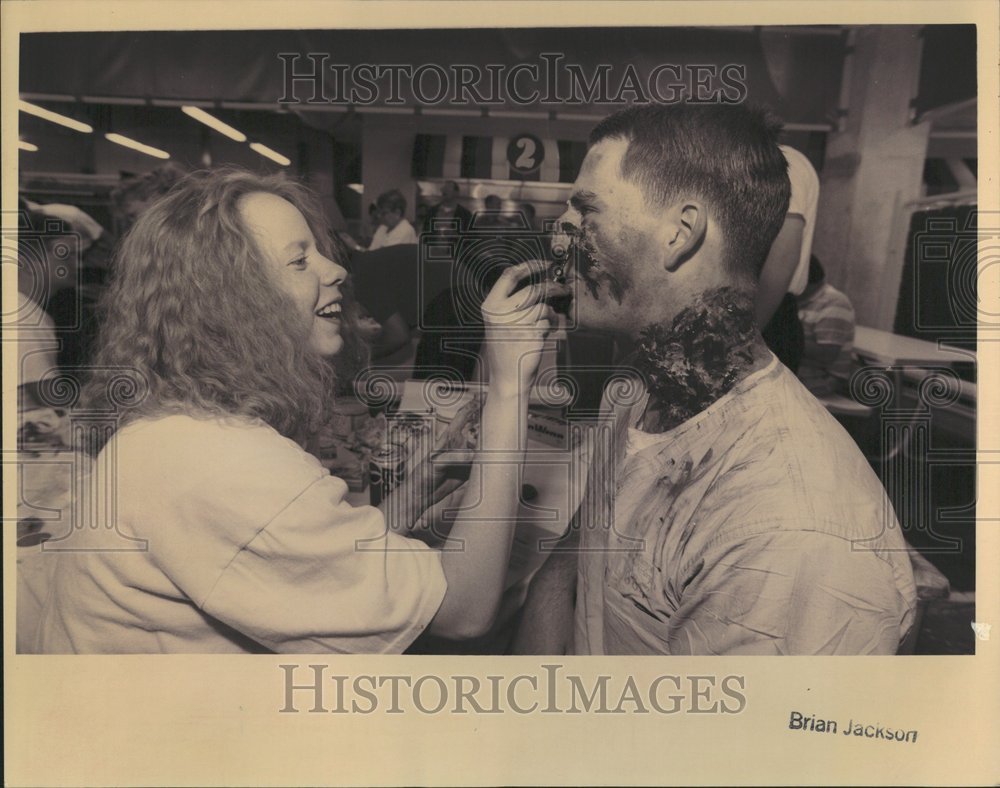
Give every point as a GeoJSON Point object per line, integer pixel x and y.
{"type": "Point", "coordinates": [755, 527]}
{"type": "Point", "coordinates": [224, 536]}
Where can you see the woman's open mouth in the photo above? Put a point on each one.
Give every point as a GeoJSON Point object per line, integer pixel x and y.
{"type": "Point", "coordinates": [331, 311]}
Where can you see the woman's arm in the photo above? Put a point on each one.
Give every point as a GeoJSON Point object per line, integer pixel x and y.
{"type": "Point", "coordinates": [477, 551]}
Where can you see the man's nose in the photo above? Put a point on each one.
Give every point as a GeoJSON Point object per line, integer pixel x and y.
{"type": "Point", "coordinates": [563, 232]}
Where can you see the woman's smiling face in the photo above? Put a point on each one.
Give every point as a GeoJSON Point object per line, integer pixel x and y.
{"type": "Point", "coordinates": [309, 278]}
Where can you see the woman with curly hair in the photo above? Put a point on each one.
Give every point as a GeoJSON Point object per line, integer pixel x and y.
{"type": "Point", "coordinates": [227, 307]}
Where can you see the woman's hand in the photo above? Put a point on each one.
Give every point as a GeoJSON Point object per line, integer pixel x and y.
{"type": "Point", "coordinates": [516, 325]}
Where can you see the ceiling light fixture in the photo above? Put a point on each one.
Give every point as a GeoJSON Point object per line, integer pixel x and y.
{"type": "Point", "coordinates": [53, 117]}
{"type": "Point", "coordinates": [214, 123]}
{"type": "Point", "coordinates": [267, 153]}
{"type": "Point", "coordinates": [127, 142]}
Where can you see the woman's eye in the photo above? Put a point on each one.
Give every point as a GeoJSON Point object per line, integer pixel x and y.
{"type": "Point", "coordinates": [299, 262]}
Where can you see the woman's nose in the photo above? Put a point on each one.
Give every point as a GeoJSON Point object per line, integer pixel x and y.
{"type": "Point", "coordinates": [331, 273]}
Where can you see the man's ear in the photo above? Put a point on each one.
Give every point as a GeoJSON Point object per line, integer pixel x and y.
{"type": "Point", "coordinates": [686, 232]}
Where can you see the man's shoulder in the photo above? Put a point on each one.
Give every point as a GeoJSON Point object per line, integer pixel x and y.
{"type": "Point", "coordinates": [797, 466]}
{"type": "Point", "coordinates": [795, 420]}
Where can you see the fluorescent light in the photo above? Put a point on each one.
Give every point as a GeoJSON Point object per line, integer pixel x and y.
{"type": "Point", "coordinates": [27, 146]}
{"type": "Point", "coordinates": [571, 116]}
{"type": "Point", "coordinates": [214, 123]}
{"type": "Point", "coordinates": [376, 110]}
{"type": "Point", "coordinates": [54, 117]}
{"type": "Point", "coordinates": [457, 113]}
{"type": "Point", "coordinates": [503, 113]}
{"type": "Point", "coordinates": [356, 187]}
{"type": "Point", "coordinates": [267, 153]}
{"type": "Point", "coordinates": [119, 139]}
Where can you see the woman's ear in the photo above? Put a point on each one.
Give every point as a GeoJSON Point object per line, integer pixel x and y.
{"type": "Point", "coordinates": [689, 222]}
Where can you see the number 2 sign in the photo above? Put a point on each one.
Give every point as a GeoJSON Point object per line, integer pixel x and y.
{"type": "Point", "coordinates": [525, 153]}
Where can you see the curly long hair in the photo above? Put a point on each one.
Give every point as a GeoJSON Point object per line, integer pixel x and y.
{"type": "Point", "coordinates": [194, 313]}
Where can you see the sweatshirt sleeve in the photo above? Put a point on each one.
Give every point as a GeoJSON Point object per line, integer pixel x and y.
{"type": "Point", "coordinates": [325, 576]}
{"type": "Point", "coordinates": [258, 535]}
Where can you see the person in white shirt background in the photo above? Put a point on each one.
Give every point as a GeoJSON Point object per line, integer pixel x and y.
{"type": "Point", "coordinates": [393, 229]}
{"type": "Point", "coordinates": [786, 269]}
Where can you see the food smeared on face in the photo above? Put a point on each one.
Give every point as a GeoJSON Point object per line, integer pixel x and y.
{"type": "Point", "coordinates": [583, 250]}
{"type": "Point", "coordinates": [612, 234]}
{"type": "Point", "coordinates": [699, 357]}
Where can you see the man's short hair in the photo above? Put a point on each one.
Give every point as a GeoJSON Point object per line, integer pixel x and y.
{"type": "Point", "coordinates": [726, 155]}
{"type": "Point", "coordinates": [392, 200]}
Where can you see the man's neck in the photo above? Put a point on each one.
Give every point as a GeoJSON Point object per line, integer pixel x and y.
{"type": "Point", "coordinates": [696, 358]}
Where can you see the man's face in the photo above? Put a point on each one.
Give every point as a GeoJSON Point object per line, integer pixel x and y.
{"type": "Point", "coordinates": [613, 232]}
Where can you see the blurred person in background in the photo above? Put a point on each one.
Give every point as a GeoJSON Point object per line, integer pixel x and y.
{"type": "Point", "coordinates": [136, 193]}
{"type": "Point", "coordinates": [827, 318]}
{"type": "Point", "coordinates": [784, 275]}
{"type": "Point", "coordinates": [48, 253]}
{"type": "Point", "coordinates": [529, 216]}
{"type": "Point", "coordinates": [393, 229]}
{"type": "Point", "coordinates": [384, 282]}
{"type": "Point", "coordinates": [449, 208]}
{"type": "Point", "coordinates": [492, 216]}
{"type": "Point", "coordinates": [96, 242]}
{"type": "Point", "coordinates": [47, 260]}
